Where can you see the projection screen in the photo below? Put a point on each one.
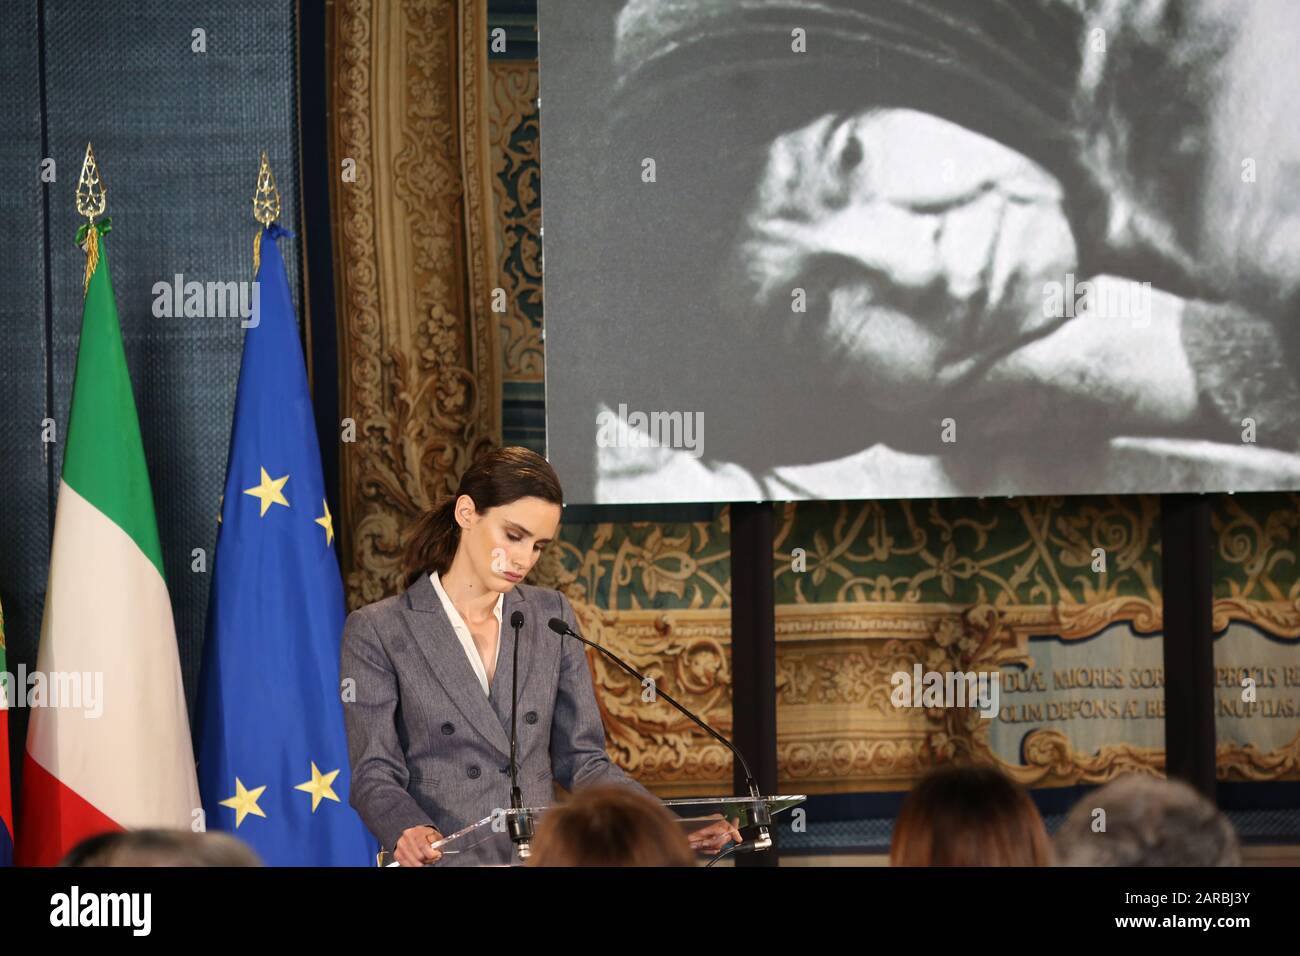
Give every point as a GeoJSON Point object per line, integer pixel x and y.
{"type": "Point", "coordinates": [905, 248]}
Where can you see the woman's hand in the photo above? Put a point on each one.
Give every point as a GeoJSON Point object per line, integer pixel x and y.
{"type": "Point", "coordinates": [922, 247]}
{"type": "Point", "coordinates": [715, 836]}
{"type": "Point", "coordinates": [413, 847]}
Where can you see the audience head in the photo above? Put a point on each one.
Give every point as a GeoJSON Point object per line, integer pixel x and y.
{"type": "Point", "coordinates": [969, 816]}
{"type": "Point", "coordinates": [161, 848]}
{"type": "Point", "coordinates": [1148, 821]}
{"type": "Point", "coordinates": [610, 826]}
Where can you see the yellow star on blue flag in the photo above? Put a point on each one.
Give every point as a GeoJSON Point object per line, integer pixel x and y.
{"type": "Point", "coordinates": [244, 802]}
{"type": "Point", "coordinates": [319, 786]}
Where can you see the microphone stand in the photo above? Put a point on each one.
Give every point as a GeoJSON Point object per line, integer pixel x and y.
{"type": "Point", "coordinates": [520, 826]}
{"type": "Point", "coordinates": [757, 833]}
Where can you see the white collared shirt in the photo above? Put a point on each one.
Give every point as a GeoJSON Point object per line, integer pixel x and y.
{"type": "Point", "coordinates": [466, 638]}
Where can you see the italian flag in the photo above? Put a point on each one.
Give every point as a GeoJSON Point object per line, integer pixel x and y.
{"type": "Point", "coordinates": [124, 761]}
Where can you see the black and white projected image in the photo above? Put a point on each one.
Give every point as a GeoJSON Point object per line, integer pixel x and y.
{"type": "Point", "coordinates": [914, 248]}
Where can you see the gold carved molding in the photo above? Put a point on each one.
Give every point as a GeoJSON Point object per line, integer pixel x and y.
{"type": "Point", "coordinates": [1281, 619]}
{"type": "Point", "coordinates": [512, 121]}
{"type": "Point", "coordinates": [415, 253]}
{"type": "Point", "coordinates": [1248, 762]}
{"type": "Point", "coordinates": [837, 730]}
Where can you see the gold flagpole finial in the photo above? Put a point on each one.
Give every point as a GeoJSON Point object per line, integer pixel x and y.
{"type": "Point", "coordinates": [90, 188]}
{"type": "Point", "coordinates": [266, 207]}
{"type": "Point", "coordinates": [266, 201]}
{"type": "Point", "coordinates": [91, 197]}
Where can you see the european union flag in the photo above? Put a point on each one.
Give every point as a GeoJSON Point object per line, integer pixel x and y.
{"type": "Point", "coordinates": [272, 754]}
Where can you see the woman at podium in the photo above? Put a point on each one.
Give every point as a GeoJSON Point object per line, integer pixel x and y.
{"type": "Point", "coordinates": [429, 722]}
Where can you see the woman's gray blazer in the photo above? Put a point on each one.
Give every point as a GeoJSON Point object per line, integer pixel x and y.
{"type": "Point", "coordinates": [428, 747]}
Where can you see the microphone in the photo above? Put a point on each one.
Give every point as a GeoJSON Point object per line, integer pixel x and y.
{"type": "Point", "coordinates": [756, 834]}
{"type": "Point", "coordinates": [519, 825]}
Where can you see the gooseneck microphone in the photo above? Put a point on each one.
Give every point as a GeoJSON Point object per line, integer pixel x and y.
{"type": "Point", "coordinates": [756, 834]}
{"type": "Point", "coordinates": [519, 825]}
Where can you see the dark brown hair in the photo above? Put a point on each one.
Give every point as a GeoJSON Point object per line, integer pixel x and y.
{"type": "Point", "coordinates": [611, 825]}
{"type": "Point", "coordinates": [496, 478]}
{"type": "Point", "coordinates": [969, 816]}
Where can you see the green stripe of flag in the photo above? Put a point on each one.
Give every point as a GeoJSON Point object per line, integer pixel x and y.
{"type": "Point", "coordinates": [104, 461]}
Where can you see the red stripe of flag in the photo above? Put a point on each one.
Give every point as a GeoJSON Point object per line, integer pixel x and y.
{"type": "Point", "coordinates": [64, 820]}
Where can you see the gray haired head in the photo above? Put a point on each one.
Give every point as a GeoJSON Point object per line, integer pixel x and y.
{"type": "Point", "coordinates": [1148, 821]}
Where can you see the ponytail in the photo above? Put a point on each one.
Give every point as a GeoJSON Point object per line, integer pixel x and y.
{"type": "Point", "coordinates": [433, 543]}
